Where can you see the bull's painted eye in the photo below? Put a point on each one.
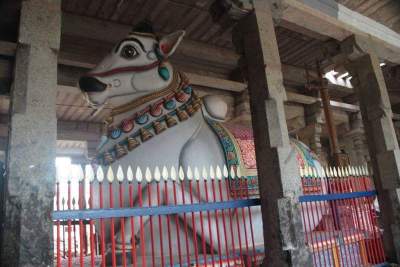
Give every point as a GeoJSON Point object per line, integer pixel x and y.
{"type": "Point", "coordinates": [129, 52]}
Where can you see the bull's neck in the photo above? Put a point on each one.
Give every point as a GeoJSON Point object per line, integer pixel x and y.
{"type": "Point", "coordinates": [137, 121]}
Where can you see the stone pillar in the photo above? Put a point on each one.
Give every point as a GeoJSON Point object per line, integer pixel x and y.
{"type": "Point", "coordinates": [382, 142]}
{"type": "Point", "coordinates": [278, 174]}
{"type": "Point", "coordinates": [314, 121]}
{"type": "Point", "coordinates": [242, 108]}
{"type": "Point", "coordinates": [28, 231]}
{"type": "Point", "coordinates": [359, 140]}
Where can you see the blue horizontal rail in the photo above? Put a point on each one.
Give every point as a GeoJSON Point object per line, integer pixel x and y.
{"type": "Point", "coordinates": [330, 197]}
{"type": "Point", "coordinates": [177, 209]}
{"type": "Point", "coordinates": [152, 210]}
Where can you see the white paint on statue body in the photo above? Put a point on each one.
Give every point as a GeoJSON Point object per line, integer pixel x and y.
{"type": "Point", "coordinates": [137, 69]}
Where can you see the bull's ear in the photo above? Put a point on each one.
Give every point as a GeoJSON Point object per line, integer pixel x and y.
{"type": "Point", "coordinates": [168, 44]}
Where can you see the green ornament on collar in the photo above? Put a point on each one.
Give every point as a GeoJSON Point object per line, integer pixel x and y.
{"type": "Point", "coordinates": [164, 73]}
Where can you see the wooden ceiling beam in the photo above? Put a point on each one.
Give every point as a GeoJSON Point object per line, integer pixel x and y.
{"type": "Point", "coordinates": [339, 22]}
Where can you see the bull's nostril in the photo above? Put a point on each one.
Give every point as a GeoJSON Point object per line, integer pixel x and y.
{"type": "Point", "coordinates": [91, 84]}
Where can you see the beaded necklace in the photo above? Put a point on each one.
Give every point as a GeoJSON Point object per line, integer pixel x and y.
{"type": "Point", "coordinates": [166, 112]}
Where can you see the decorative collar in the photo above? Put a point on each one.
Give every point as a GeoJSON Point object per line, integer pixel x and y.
{"type": "Point", "coordinates": [177, 106]}
{"type": "Point", "coordinates": [178, 81]}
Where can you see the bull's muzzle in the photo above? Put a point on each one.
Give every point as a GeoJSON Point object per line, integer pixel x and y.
{"type": "Point", "coordinates": [90, 84]}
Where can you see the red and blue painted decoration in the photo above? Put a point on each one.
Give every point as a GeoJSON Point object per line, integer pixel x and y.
{"type": "Point", "coordinates": [142, 119]}
{"type": "Point", "coordinates": [115, 133]}
{"type": "Point", "coordinates": [170, 104]}
{"type": "Point", "coordinates": [156, 110]}
{"type": "Point", "coordinates": [127, 125]}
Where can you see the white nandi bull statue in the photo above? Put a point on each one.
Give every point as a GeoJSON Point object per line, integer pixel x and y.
{"type": "Point", "coordinates": [159, 121]}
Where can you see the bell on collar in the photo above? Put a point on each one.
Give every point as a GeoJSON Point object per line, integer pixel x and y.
{"type": "Point", "coordinates": [181, 97]}
{"type": "Point", "coordinates": [182, 115]}
{"type": "Point", "coordinates": [108, 158]}
{"type": "Point", "coordinates": [132, 143]}
{"type": "Point", "coordinates": [120, 151]}
{"type": "Point", "coordinates": [158, 127]}
{"type": "Point", "coordinates": [190, 110]}
{"type": "Point", "coordinates": [171, 122]}
{"type": "Point", "coordinates": [145, 134]}
{"type": "Point", "coordinates": [197, 104]}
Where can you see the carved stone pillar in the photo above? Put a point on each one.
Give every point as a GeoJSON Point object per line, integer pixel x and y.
{"type": "Point", "coordinates": [28, 228]}
{"type": "Point", "coordinates": [359, 140]}
{"type": "Point", "coordinates": [314, 121]}
{"type": "Point", "coordinates": [278, 174]}
{"type": "Point", "coordinates": [376, 114]}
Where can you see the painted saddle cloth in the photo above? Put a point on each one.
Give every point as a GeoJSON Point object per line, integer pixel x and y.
{"type": "Point", "coordinates": [238, 145]}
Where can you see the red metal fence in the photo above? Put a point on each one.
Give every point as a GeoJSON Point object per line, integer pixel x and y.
{"type": "Point", "coordinates": [160, 219]}
{"type": "Point", "coordinates": [169, 218]}
{"type": "Point", "coordinates": [341, 225]}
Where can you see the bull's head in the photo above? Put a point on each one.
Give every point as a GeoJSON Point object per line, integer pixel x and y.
{"type": "Point", "coordinates": [136, 66]}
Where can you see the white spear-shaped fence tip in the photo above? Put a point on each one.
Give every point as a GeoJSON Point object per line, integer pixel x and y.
{"type": "Point", "coordinates": [356, 171]}
{"type": "Point", "coordinates": [346, 171]}
{"type": "Point", "coordinates": [164, 173]}
{"type": "Point", "coordinates": [232, 173]}
{"type": "Point", "coordinates": [189, 173]}
{"type": "Point", "coordinates": [89, 174]}
{"type": "Point", "coordinates": [129, 174]}
{"type": "Point", "coordinates": [362, 170]}
{"type": "Point", "coordinates": [339, 172]}
{"type": "Point", "coordinates": [100, 174]}
{"type": "Point", "coordinates": [147, 175]}
{"type": "Point", "coordinates": [173, 173]}
{"type": "Point", "coordinates": [323, 174]}
{"type": "Point", "coordinates": [120, 174]}
{"type": "Point", "coordinates": [181, 173]}
{"type": "Point", "coordinates": [330, 172]}
{"type": "Point", "coordinates": [196, 174]}
{"type": "Point", "coordinates": [315, 172]}
{"type": "Point", "coordinates": [365, 170]}
{"type": "Point", "coordinates": [110, 174]}
{"type": "Point", "coordinates": [79, 173]}
{"type": "Point", "coordinates": [139, 175]}
{"type": "Point", "coordinates": [212, 172]}
{"type": "Point", "coordinates": [204, 173]}
{"type": "Point", "coordinates": [305, 172]}
{"type": "Point", "coordinates": [239, 172]}
{"type": "Point", "coordinates": [218, 173]}
{"type": "Point", "coordinates": [225, 171]}
{"type": "Point", "coordinates": [319, 173]}
{"type": "Point", "coordinates": [157, 174]}
{"type": "Point", "coordinates": [301, 172]}
{"type": "Point", "coordinates": [311, 171]}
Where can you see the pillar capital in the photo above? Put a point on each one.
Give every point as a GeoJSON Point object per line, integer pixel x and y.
{"type": "Point", "coordinates": [355, 46]}
{"type": "Point", "coordinates": [40, 23]}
